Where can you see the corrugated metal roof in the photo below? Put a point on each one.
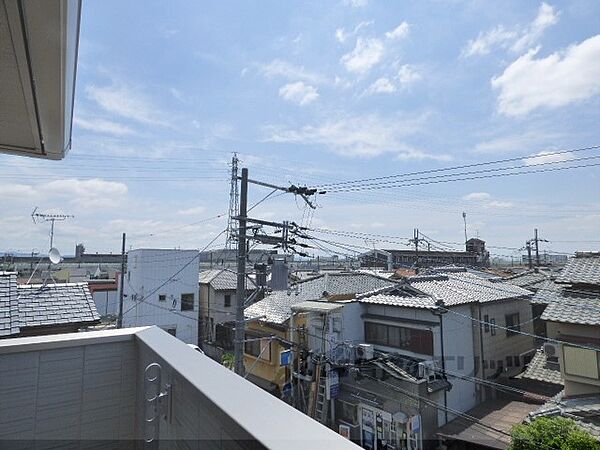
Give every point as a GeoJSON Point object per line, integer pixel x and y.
{"type": "Point", "coordinates": [56, 304]}
{"type": "Point", "coordinates": [463, 287]}
{"type": "Point", "coordinates": [276, 307]}
{"type": "Point", "coordinates": [9, 310]}
{"type": "Point", "coordinates": [583, 269]}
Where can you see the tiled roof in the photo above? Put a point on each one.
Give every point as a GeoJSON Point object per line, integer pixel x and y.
{"type": "Point", "coordinates": [463, 287]}
{"type": "Point", "coordinates": [574, 307]}
{"type": "Point", "coordinates": [56, 304]}
{"type": "Point", "coordinates": [540, 368]}
{"type": "Point", "coordinates": [401, 301]}
{"type": "Point", "coordinates": [531, 279]}
{"type": "Point", "coordinates": [547, 292]}
{"type": "Point", "coordinates": [585, 410]}
{"type": "Point", "coordinates": [9, 311]}
{"type": "Point", "coordinates": [223, 279]}
{"type": "Point", "coordinates": [276, 307]}
{"type": "Point", "coordinates": [583, 269]}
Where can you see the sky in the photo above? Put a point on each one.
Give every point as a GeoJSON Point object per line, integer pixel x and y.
{"type": "Point", "coordinates": [314, 93]}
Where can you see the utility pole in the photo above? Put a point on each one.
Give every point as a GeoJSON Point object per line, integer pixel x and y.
{"type": "Point", "coordinates": [121, 284]}
{"type": "Point", "coordinates": [537, 240]}
{"type": "Point", "coordinates": [416, 240]}
{"type": "Point", "coordinates": [241, 277]}
{"type": "Point", "coordinates": [465, 220]}
{"type": "Point", "coordinates": [528, 247]}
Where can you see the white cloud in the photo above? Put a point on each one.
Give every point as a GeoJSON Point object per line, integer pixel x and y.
{"type": "Point", "coordinates": [284, 69]}
{"type": "Point", "coordinates": [408, 75]}
{"type": "Point", "coordinates": [192, 211]}
{"type": "Point", "coordinates": [87, 194]}
{"type": "Point", "coordinates": [342, 35]}
{"type": "Point", "coordinates": [367, 53]}
{"type": "Point", "coordinates": [546, 17]}
{"type": "Point", "coordinates": [358, 136]}
{"type": "Point", "coordinates": [497, 204]}
{"type": "Point", "coordinates": [400, 32]}
{"type": "Point", "coordinates": [126, 102]}
{"type": "Point", "coordinates": [548, 157]}
{"type": "Point", "coordinates": [522, 141]}
{"type": "Point", "coordinates": [518, 38]}
{"type": "Point", "coordinates": [356, 3]}
{"type": "Point", "coordinates": [102, 126]}
{"type": "Point", "coordinates": [486, 41]}
{"type": "Point", "coordinates": [299, 93]}
{"type": "Point", "coordinates": [477, 196]}
{"type": "Point", "coordinates": [381, 86]}
{"type": "Point", "coordinates": [557, 80]}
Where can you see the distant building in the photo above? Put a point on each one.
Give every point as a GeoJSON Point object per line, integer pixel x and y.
{"type": "Point", "coordinates": [546, 259]}
{"type": "Point", "coordinates": [475, 256]}
{"type": "Point", "coordinates": [161, 288]}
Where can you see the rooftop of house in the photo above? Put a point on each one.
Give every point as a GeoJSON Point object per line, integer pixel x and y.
{"type": "Point", "coordinates": [574, 307]}
{"type": "Point", "coordinates": [96, 386]}
{"type": "Point", "coordinates": [457, 288]}
{"type": "Point", "coordinates": [542, 368]}
{"type": "Point", "coordinates": [531, 279]}
{"type": "Point", "coordinates": [276, 306]}
{"type": "Point", "coordinates": [583, 269]}
{"type": "Point", "coordinates": [43, 305]}
{"type": "Point", "coordinates": [223, 279]}
{"type": "Point", "coordinates": [585, 410]}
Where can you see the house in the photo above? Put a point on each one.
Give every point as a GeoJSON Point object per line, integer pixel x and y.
{"type": "Point", "coordinates": [394, 259]}
{"type": "Point", "coordinates": [217, 305]}
{"type": "Point", "coordinates": [41, 309]}
{"type": "Point", "coordinates": [268, 330]}
{"type": "Point", "coordinates": [573, 323]}
{"type": "Point", "coordinates": [106, 296]}
{"type": "Point", "coordinates": [161, 288]}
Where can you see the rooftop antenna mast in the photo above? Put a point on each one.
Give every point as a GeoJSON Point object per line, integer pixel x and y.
{"type": "Point", "coordinates": [35, 216]}
{"type": "Point", "coordinates": [234, 204]}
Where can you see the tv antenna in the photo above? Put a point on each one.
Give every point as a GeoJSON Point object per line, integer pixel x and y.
{"type": "Point", "coordinates": [49, 218]}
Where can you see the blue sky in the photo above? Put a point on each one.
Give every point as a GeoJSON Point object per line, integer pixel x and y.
{"type": "Point", "coordinates": [317, 92]}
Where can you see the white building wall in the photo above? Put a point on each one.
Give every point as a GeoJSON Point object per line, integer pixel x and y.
{"type": "Point", "coordinates": [107, 302]}
{"type": "Point", "coordinates": [147, 271]}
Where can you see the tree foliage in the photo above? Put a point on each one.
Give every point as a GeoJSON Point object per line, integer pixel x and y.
{"type": "Point", "coordinates": [552, 433]}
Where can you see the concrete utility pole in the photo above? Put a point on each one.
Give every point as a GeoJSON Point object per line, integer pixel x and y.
{"type": "Point", "coordinates": [528, 247]}
{"type": "Point", "coordinates": [465, 220]}
{"type": "Point", "coordinates": [121, 284]}
{"type": "Point", "coordinates": [241, 277]}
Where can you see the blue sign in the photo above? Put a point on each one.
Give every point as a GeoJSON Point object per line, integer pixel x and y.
{"type": "Point", "coordinates": [285, 358]}
{"type": "Point", "coordinates": [286, 390]}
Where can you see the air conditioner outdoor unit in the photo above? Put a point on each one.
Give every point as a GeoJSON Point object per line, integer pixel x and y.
{"type": "Point", "coordinates": [551, 350]}
{"type": "Point", "coordinates": [426, 369]}
{"type": "Point", "coordinates": [364, 351]}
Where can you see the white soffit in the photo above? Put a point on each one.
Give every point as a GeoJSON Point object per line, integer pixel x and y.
{"type": "Point", "coordinates": [38, 60]}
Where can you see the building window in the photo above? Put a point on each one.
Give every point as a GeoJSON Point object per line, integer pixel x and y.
{"type": "Point", "coordinates": [187, 302]}
{"type": "Point", "coordinates": [227, 300]}
{"type": "Point", "coordinates": [509, 361]}
{"type": "Point", "coordinates": [517, 361]}
{"type": "Point", "coordinates": [500, 365]}
{"type": "Point", "coordinates": [162, 298]}
{"type": "Point", "coordinates": [460, 362]}
{"type": "Point", "coordinates": [486, 323]}
{"type": "Point", "coordinates": [411, 339]}
{"type": "Point", "coordinates": [512, 323]}
{"type": "Point", "coordinates": [493, 327]}
{"type": "Point", "coordinates": [259, 348]}
{"type": "Point", "coordinates": [492, 364]}
{"type": "Point", "coordinates": [581, 362]}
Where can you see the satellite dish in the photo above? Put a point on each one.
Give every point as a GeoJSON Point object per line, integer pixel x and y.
{"type": "Point", "coordinates": [54, 256]}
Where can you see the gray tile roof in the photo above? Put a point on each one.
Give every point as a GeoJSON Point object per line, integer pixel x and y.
{"type": "Point", "coordinates": [583, 269]}
{"type": "Point", "coordinates": [463, 287]}
{"type": "Point", "coordinates": [547, 292]}
{"type": "Point", "coordinates": [9, 310]}
{"type": "Point", "coordinates": [574, 307]}
{"type": "Point", "coordinates": [531, 279]}
{"type": "Point", "coordinates": [223, 279]}
{"type": "Point", "coordinates": [540, 368]}
{"type": "Point", "coordinates": [56, 304]}
{"type": "Point", "coordinates": [584, 410]}
{"type": "Point", "coordinates": [425, 302]}
{"type": "Point", "coordinates": [276, 307]}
